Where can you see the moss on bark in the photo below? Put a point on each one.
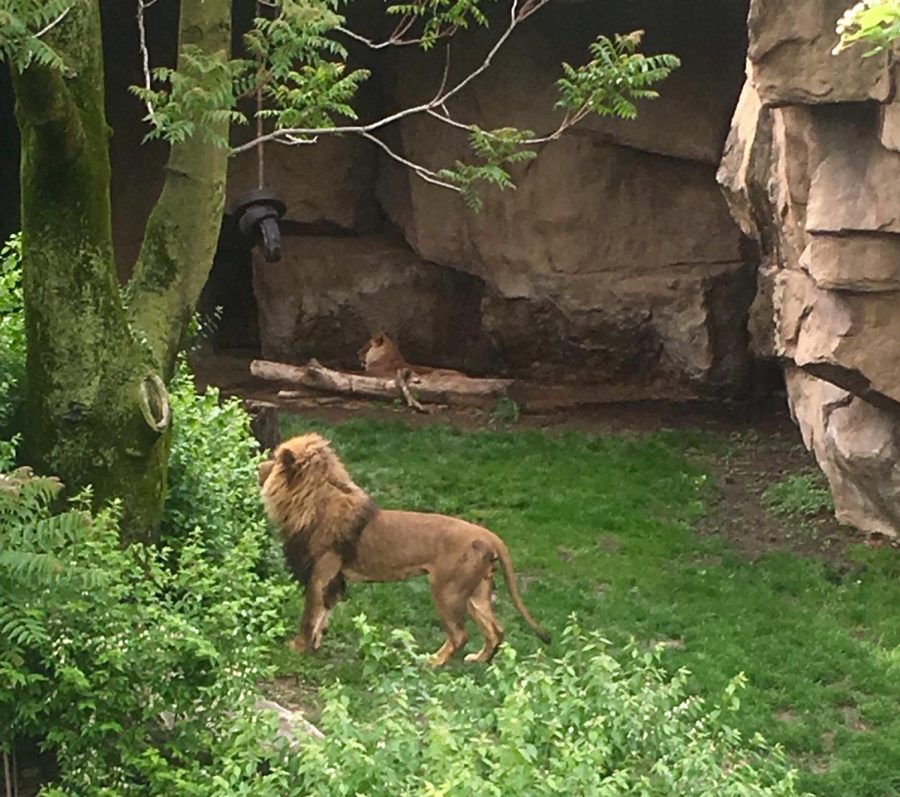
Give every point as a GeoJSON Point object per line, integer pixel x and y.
{"type": "Point", "coordinates": [87, 359]}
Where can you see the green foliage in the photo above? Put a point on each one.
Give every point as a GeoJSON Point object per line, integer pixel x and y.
{"type": "Point", "coordinates": [213, 488]}
{"type": "Point", "coordinates": [137, 666]}
{"type": "Point", "coordinates": [441, 17]}
{"type": "Point", "coordinates": [495, 149]}
{"type": "Point", "coordinates": [312, 95]}
{"type": "Point", "coordinates": [582, 723]}
{"type": "Point", "coordinates": [614, 78]}
{"type": "Point", "coordinates": [22, 26]}
{"type": "Point", "coordinates": [299, 69]}
{"type": "Point", "coordinates": [506, 411]}
{"type": "Point", "coordinates": [12, 334]}
{"type": "Point", "coordinates": [803, 495]}
{"type": "Point", "coordinates": [197, 96]}
{"type": "Point", "coordinates": [300, 85]}
{"type": "Point", "coordinates": [608, 85]}
{"type": "Point", "coordinates": [874, 22]}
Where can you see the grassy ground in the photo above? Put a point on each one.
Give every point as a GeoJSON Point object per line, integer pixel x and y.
{"type": "Point", "coordinates": [605, 527]}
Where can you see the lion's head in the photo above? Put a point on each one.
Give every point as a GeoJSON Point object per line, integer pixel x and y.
{"type": "Point", "coordinates": [305, 488]}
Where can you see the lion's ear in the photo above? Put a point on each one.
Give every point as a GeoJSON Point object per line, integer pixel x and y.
{"type": "Point", "coordinates": [286, 457]}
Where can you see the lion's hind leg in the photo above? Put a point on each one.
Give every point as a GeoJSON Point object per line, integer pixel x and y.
{"type": "Point", "coordinates": [481, 611]}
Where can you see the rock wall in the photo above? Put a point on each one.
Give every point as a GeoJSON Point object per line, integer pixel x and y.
{"type": "Point", "coordinates": [812, 172]}
{"type": "Point", "coordinates": [356, 284]}
{"type": "Point", "coordinates": [615, 260]}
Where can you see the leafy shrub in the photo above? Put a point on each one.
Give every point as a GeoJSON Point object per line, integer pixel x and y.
{"type": "Point", "coordinates": [581, 724]}
{"type": "Point", "coordinates": [506, 411]}
{"type": "Point", "coordinates": [12, 334]}
{"type": "Point", "coordinates": [137, 666]}
{"type": "Point", "coordinates": [802, 495]}
{"type": "Point", "coordinates": [212, 488]}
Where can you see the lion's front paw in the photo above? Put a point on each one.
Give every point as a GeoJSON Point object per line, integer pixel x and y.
{"type": "Point", "coordinates": [298, 644]}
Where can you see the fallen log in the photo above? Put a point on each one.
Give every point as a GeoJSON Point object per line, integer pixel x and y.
{"type": "Point", "coordinates": [452, 389]}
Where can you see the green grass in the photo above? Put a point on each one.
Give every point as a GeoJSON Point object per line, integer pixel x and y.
{"type": "Point", "coordinates": [802, 495]}
{"type": "Point", "coordinates": [603, 527]}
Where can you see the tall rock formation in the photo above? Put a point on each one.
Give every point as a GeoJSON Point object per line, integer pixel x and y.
{"type": "Point", "coordinates": [811, 170]}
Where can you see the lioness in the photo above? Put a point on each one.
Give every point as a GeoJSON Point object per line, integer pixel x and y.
{"type": "Point", "coordinates": [382, 357]}
{"type": "Point", "coordinates": [333, 532]}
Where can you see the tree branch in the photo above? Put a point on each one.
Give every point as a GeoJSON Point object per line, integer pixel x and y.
{"type": "Point", "coordinates": [389, 42]}
{"type": "Point", "coordinates": [568, 121]}
{"type": "Point", "coordinates": [53, 23]}
{"type": "Point", "coordinates": [517, 16]}
{"type": "Point", "coordinates": [143, 5]}
{"type": "Point", "coordinates": [423, 172]}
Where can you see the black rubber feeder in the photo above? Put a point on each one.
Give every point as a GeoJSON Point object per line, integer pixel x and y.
{"type": "Point", "coordinates": [257, 214]}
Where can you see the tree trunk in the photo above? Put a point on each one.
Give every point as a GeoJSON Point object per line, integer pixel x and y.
{"type": "Point", "coordinates": [183, 230]}
{"type": "Point", "coordinates": [96, 411]}
{"type": "Point", "coordinates": [84, 366]}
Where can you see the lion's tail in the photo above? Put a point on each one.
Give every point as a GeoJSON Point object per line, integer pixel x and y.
{"type": "Point", "coordinates": [510, 577]}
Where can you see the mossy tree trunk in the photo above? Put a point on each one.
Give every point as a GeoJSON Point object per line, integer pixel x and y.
{"type": "Point", "coordinates": [94, 365]}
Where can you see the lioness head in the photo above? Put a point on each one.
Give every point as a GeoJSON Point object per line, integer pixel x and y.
{"type": "Point", "coordinates": [381, 356]}
{"type": "Point", "coordinates": [374, 341]}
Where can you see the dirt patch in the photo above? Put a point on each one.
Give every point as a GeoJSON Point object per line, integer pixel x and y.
{"type": "Point", "coordinates": [292, 693]}
{"type": "Point", "coordinates": [755, 460]}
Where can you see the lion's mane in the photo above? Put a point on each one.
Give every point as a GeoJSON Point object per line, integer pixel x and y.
{"type": "Point", "coordinates": [310, 496]}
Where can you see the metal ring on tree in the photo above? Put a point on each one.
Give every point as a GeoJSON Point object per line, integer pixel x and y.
{"type": "Point", "coordinates": [155, 403]}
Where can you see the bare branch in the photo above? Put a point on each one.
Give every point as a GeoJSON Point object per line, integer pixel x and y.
{"type": "Point", "coordinates": [293, 141]}
{"type": "Point", "coordinates": [142, 5]}
{"type": "Point", "coordinates": [50, 25]}
{"type": "Point", "coordinates": [515, 17]}
{"type": "Point", "coordinates": [403, 384]}
{"type": "Point", "coordinates": [443, 85]}
{"type": "Point", "coordinates": [567, 122]}
{"type": "Point", "coordinates": [443, 116]}
{"type": "Point", "coordinates": [423, 172]}
{"type": "Point", "coordinates": [405, 23]}
{"type": "Point", "coordinates": [373, 45]}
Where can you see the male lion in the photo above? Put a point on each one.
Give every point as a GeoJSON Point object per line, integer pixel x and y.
{"type": "Point", "coordinates": [382, 357]}
{"type": "Point", "coordinates": [332, 531]}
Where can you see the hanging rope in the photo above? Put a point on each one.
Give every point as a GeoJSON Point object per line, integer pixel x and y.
{"type": "Point", "coordinates": [260, 159]}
